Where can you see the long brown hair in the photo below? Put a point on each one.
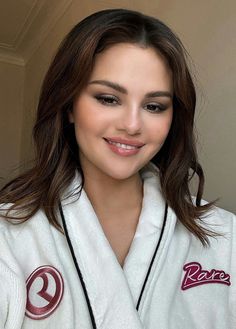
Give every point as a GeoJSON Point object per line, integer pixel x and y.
{"type": "Point", "coordinates": [57, 159]}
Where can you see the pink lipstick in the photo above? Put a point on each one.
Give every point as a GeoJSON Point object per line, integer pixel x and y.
{"type": "Point", "coordinates": [123, 147]}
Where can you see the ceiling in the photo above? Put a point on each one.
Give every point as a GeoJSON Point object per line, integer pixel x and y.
{"type": "Point", "coordinates": [24, 24]}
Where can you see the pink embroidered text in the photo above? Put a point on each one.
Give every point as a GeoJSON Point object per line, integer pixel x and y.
{"type": "Point", "coordinates": [195, 276]}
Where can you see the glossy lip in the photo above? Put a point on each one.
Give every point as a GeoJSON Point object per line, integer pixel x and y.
{"type": "Point", "coordinates": [121, 151]}
{"type": "Point", "coordinates": [120, 140]}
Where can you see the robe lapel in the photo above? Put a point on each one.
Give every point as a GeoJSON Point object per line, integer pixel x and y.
{"type": "Point", "coordinates": [147, 236]}
{"type": "Point", "coordinates": [107, 287]}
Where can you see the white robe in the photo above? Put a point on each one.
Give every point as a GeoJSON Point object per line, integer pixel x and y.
{"type": "Point", "coordinates": [189, 286]}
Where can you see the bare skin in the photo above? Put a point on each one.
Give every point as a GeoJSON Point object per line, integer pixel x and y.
{"type": "Point", "coordinates": [122, 118]}
{"type": "Point", "coordinates": [118, 205]}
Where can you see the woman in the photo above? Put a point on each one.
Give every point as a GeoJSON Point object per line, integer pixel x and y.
{"type": "Point", "coordinates": [107, 234]}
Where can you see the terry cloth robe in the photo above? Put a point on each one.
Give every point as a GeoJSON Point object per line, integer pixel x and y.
{"type": "Point", "coordinates": [47, 281]}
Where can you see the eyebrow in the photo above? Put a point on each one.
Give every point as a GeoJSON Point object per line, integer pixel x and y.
{"type": "Point", "coordinates": [122, 90]}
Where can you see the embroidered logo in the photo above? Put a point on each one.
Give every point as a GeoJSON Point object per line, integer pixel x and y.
{"type": "Point", "coordinates": [45, 289]}
{"type": "Point", "coordinates": [196, 276]}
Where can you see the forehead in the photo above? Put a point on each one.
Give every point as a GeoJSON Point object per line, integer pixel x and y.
{"type": "Point", "coordinates": [130, 64]}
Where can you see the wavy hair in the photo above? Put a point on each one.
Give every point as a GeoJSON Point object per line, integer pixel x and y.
{"type": "Point", "coordinates": [57, 160]}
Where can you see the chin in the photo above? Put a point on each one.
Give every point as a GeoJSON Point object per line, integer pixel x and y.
{"type": "Point", "coordinates": [120, 174]}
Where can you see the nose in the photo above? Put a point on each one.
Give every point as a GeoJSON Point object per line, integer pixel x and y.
{"type": "Point", "coordinates": [131, 121]}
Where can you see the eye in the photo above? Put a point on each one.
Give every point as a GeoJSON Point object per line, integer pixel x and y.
{"type": "Point", "coordinates": [155, 107]}
{"type": "Point", "coordinates": [108, 100]}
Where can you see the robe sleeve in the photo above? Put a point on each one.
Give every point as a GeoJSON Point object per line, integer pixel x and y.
{"type": "Point", "coordinates": [12, 299]}
{"type": "Point", "coordinates": [12, 287]}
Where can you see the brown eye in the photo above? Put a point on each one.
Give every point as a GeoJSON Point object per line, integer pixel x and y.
{"type": "Point", "coordinates": [155, 107]}
{"type": "Point", "coordinates": [107, 100]}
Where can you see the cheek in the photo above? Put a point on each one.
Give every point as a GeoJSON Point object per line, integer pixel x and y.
{"type": "Point", "coordinates": [88, 115]}
{"type": "Point", "coordinates": [89, 127]}
{"type": "Point", "coordinates": [81, 116]}
{"type": "Point", "coordinates": [160, 128]}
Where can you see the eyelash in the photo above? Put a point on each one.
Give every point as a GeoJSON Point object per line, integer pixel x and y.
{"type": "Point", "coordinates": [109, 100]}
{"type": "Point", "coordinates": [158, 108]}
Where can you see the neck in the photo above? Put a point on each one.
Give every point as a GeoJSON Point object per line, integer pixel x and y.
{"type": "Point", "coordinates": [114, 194]}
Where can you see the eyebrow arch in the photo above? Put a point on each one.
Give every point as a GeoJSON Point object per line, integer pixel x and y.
{"type": "Point", "coordinates": [110, 84]}
{"type": "Point", "coordinates": [122, 90]}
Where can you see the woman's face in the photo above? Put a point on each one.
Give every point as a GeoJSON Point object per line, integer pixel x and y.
{"type": "Point", "coordinates": [123, 116]}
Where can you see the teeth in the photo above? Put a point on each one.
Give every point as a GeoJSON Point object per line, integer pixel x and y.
{"type": "Point", "coordinates": [123, 146]}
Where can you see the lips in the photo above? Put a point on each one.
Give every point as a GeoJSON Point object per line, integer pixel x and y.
{"type": "Point", "coordinates": [121, 142]}
{"type": "Point", "coordinates": [123, 147]}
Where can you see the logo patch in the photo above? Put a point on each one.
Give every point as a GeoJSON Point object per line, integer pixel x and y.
{"type": "Point", "coordinates": [45, 289]}
{"type": "Point", "coordinates": [196, 276]}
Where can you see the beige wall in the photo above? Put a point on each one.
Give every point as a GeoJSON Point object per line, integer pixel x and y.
{"type": "Point", "coordinates": [208, 31]}
{"type": "Point", "coordinates": [11, 109]}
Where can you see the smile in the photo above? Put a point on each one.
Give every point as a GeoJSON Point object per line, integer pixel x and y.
{"type": "Point", "coordinates": [123, 147]}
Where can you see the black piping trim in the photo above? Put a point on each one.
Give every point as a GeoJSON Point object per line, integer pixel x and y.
{"type": "Point", "coordinates": [77, 268]}
{"type": "Point", "coordinates": [153, 257]}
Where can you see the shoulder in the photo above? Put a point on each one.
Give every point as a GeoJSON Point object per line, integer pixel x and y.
{"type": "Point", "coordinates": [10, 225]}
{"type": "Point", "coordinates": [216, 218]}
{"type": "Point", "coordinates": [22, 243]}
{"type": "Point", "coordinates": [220, 219]}
{"type": "Point", "coordinates": [6, 223]}
{"type": "Point", "coordinates": [12, 281]}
